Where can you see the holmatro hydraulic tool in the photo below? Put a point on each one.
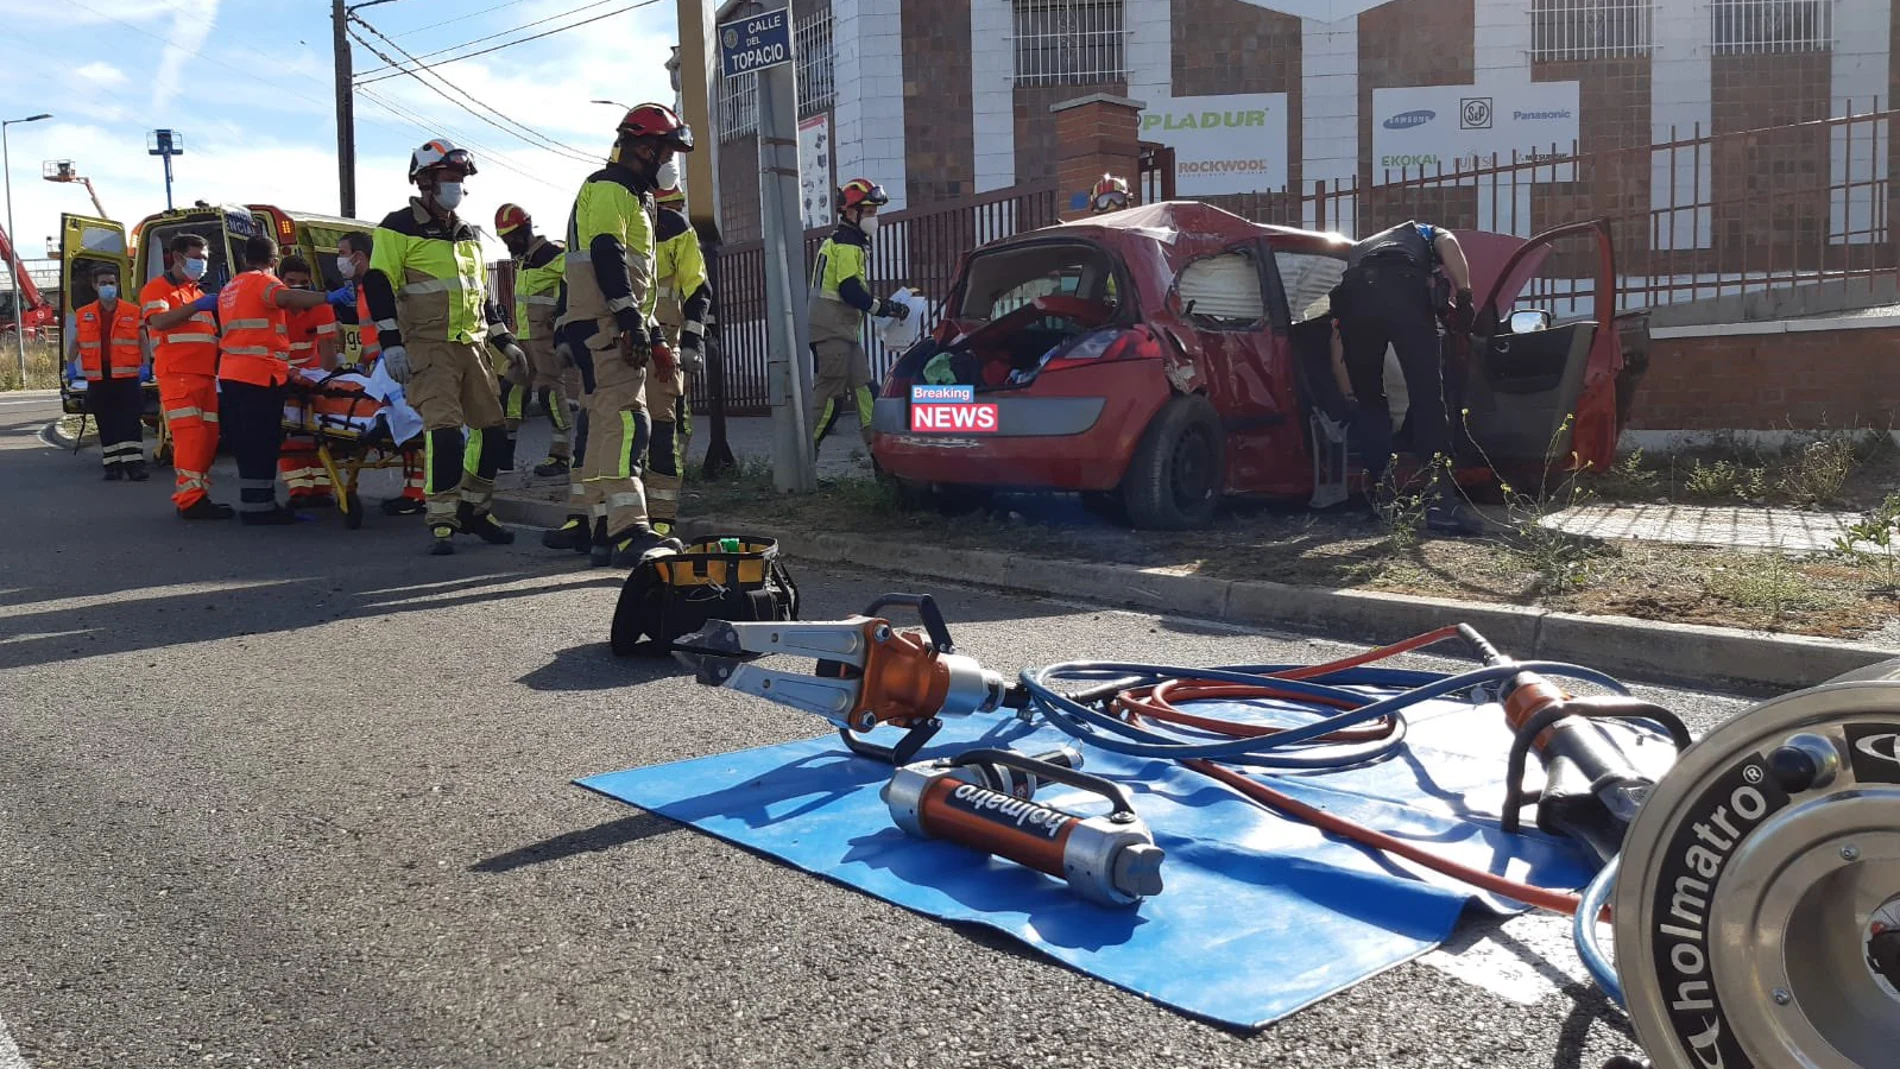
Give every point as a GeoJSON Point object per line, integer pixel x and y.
{"type": "Point", "coordinates": [1754, 887]}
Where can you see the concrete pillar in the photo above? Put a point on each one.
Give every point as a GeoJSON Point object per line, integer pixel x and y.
{"type": "Point", "coordinates": [1099, 134]}
{"type": "Point", "coordinates": [1329, 113]}
{"type": "Point", "coordinates": [1501, 47]}
{"type": "Point", "coordinates": [868, 70]}
{"type": "Point", "coordinates": [1680, 94]}
{"type": "Point", "coordinates": [993, 93]}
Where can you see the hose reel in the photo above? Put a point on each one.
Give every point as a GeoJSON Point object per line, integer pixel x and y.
{"type": "Point", "coordinates": [1758, 903]}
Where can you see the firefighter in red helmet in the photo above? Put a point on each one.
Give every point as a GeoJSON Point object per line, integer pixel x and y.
{"type": "Point", "coordinates": [840, 299]}
{"type": "Point", "coordinates": [1109, 195]}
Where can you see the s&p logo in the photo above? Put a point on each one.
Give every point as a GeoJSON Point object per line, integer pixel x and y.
{"type": "Point", "coordinates": [1474, 113]}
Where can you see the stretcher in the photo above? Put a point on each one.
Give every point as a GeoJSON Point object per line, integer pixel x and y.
{"type": "Point", "coordinates": [72, 401]}
{"type": "Point", "coordinates": [355, 423]}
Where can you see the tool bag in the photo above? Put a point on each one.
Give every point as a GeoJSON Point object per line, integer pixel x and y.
{"type": "Point", "coordinates": [738, 578]}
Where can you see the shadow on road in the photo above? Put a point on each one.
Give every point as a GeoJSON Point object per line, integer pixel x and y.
{"type": "Point", "coordinates": [587, 841]}
{"type": "Point", "coordinates": [594, 667]}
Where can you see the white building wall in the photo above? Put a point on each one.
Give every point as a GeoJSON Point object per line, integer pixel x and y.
{"type": "Point", "coordinates": [1862, 30]}
{"type": "Point", "coordinates": [1329, 112]}
{"type": "Point", "coordinates": [1501, 46]}
{"type": "Point", "coordinates": [868, 69]}
{"type": "Point", "coordinates": [992, 93]}
{"type": "Point", "coordinates": [1680, 94]}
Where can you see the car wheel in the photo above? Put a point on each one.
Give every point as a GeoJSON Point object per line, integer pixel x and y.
{"type": "Point", "coordinates": [1174, 480]}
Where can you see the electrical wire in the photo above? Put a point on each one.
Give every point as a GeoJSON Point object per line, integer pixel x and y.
{"type": "Point", "coordinates": [490, 37]}
{"type": "Point", "coordinates": [431, 128]}
{"type": "Point", "coordinates": [461, 18]}
{"type": "Point", "coordinates": [521, 41]}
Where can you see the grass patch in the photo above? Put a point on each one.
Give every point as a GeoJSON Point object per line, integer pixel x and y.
{"type": "Point", "coordinates": [42, 366]}
{"type": "Point", "coordinates": [1812, 470]}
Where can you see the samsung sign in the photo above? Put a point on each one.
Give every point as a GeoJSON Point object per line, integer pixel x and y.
{"type": "Point", "coordinates": [1405, 120]}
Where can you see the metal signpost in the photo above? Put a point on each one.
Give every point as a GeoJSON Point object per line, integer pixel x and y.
{"type": "Point", "coordinates": [761, 44]}
{"type": "Point", "coordinates": [166, 143]}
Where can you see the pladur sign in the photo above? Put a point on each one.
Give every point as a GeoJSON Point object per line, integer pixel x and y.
{"type": "Point", "coordinates": [1459, 127]}
{"type": "Point", "coordinates": [1222, 144]}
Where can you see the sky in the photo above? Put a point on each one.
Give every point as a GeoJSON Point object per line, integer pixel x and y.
{"type": "Point", "coordinates": [250, 85]}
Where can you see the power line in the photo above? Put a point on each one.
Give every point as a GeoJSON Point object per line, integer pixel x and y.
{"type": "Point", "coordinates": [531, 136]}
{"type": "Point", "coordinates": [521, 41]}
{"type": "Point", "coordinates": [492, 36]}
{"type": "Point", "coordinates": [430, 128]}
{"type": "Point", "coordinates": [460, 18]}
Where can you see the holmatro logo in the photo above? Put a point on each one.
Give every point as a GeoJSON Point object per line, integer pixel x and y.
{"type": "Point", "coordinates": [1405, 120]}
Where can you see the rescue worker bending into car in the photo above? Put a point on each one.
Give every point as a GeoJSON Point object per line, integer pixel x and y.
{"type": "Point", "coordinates": [253, 370]}
{"type": "Point", "coordinates": [684, 309]}
{"type": "Point", "coordinates": [426, 290]}
{"type": "Point", "coordinates": [107, 350]}
{"type": "Point", "coordinates": [312, 348]}
{"type": "Point", "coordinates": [611, 293]}
{"type": "Point", "coordinates": [184, 336]}
{"type": "Point", "coordinates": [540, 271]}
{"type": "Point", "coordinates": [1386, 297]}
{"type": "Point", "coordinates": [840, 299]}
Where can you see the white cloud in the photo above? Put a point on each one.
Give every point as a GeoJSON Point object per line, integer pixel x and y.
{"type": "Point", "coordinates": [192, 23]}
{"type": "Point", "coordinates": [100, 74]}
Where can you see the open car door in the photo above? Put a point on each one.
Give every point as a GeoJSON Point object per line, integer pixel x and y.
{"type": "Point", "coordinates": [86, 244]}
{"type": "Point", "coordinates": [1542, 395]}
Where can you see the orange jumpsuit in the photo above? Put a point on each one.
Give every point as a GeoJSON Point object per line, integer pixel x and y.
{"type": "Point", "coordinates": [185, 363]}
{"type": "Point", "coordinates": [414, 478]}
{"type": "Point", "coordinates": [298, 463]}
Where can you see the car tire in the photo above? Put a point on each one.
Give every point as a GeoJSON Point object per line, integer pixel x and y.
{"type": "Point", "coordinates": [1173, 483]}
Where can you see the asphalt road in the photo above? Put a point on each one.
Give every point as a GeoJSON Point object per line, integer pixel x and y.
{"type": "Point", "coordinates": [300, 797]}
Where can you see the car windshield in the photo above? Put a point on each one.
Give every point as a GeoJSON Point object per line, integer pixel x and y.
{"type": "Point", "coordinates": [1007, 279]}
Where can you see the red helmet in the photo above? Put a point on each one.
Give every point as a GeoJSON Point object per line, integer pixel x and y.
{"type": "Point", "coordinates": [510, 217]}
{"type": "Point", "coordinates": [1109, 194]}
{"type": "Point", "coordinates": [656, 120]}
{"type": "Point", "coordinates": [862, 191]}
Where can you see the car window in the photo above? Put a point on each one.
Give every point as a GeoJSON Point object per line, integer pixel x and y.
{"type": "Point", "coordinates": [1309, 279]}
{"type": "Point", "coordinates": [1222, 291]}
{"type": "Point", "coordinates": [1002, 281]}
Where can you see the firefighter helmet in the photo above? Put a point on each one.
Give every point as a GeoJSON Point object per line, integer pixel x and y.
{"type": "Point", "coordinates": [1109, 194]}
{"type": "Point", "coordinates": [862, 191]}
{"type": "Point", "coordinates": [510, 217]}
{"type": "Point", "coordinates": [671, 195]}
{"type": "Point", "coordinates": [656, 120]}
{"type": "Point", "coordinates": [440, 154]}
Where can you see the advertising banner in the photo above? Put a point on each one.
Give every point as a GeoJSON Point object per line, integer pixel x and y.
{"type": "Point", "coordinates": [1222, 144]}
{"type": "Point", "coordinates": [1459, 127]}
{"type": "Point", "coordinates": [814, 170]}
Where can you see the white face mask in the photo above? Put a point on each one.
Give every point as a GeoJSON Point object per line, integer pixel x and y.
{"type": "Point", "coordinates": [868, 224]}
{"type": "Point", "coordinates": [346, 266]}
{"type": "Point", "coordinates": [448, 194]}
{"type": "Point", "coordinates": [668, 176]}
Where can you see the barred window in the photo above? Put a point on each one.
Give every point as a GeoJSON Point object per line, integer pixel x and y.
{"type": "Point", "coordinates": [1589, 29]}
{"type": "Point", "coordinates": [1743, 27]}
{"type": "Point", "coordinates": [1070, 42]}
{"type": "Point", "coordinates": [738, 107]}
{"type": "Point", "coordinates": [816, 86]}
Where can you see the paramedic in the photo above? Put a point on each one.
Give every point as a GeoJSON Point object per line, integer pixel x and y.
{"type": "Point", "coordinates": [312, 349]}
{"type": "Point", "coordinates": [684, 309]}
{"type": "Point", "coordinates": [253, 367]}
{"type": "Point", "coordinates": [611, 293]}
{"type": "Point", "coordinates": [1386, 297]}
{"type": "Point", "coordinates": [840, 299]}
{"type": "Point", "coordinates": [107, 352]}
{"type": "Point", "coordinates": [426, 284]}
{"type": "Point", "coordinates": [184, 336]}
{"type": "Point", "coordinates": [539, 272]}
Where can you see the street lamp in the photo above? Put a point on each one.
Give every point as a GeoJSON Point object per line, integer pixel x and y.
{"type": "Point", "coordinates": [19, 292]}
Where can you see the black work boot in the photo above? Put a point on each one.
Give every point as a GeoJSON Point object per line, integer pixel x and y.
{"type": "Point", "coordinates": [637, 543]}
{"type": "Point", "coordinates": [206, 509]}
{"type": "Point", "coordinates": [575, 536]}
{"type": "Point", "coordinates": [404, 506]}
{"type": "Point", "coordinates": [278, 516]}
{"type": "Point", "coordinates": [600, 552]}
{"type": "Point", "coordinates": [135, 470]}
{"type": "Point", "coordinates": [114, 473]}
{"type": "Point", "coordinates": [552, 466]}
{"type": "Point", "coordinates": [483, 526]}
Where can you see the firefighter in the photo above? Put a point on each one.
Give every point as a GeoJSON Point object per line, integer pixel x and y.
{"type": "Point", "coordinates": [684, 310]}
{"type": "Point", "coordinates": [1386, 297]}
{"type": "Point", "coordinates": [539, 273]}
{"type": "Point", "coordinates": [312, 333]}
{"type": "Point", "coordinates": [426, 291]}
{"type": "Point", "coordinates": [611, 294]}
{"type": "Point", "coordinates": [253, 369]}
{"type": "Point", "coordinates": [511, 375]}
{"type": "Point", "coordinates": [184, 337]}
{"type": "Point", "coordinates": [840, 299]}
{"type": "Point", "coordinates": [107, 350]}
{"type": "Point", "coordinates": [1109, 195]}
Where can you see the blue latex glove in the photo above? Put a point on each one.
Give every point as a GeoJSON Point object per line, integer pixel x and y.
{"type": "Point", "coordinates": [72, 373]}
{"type": "Point", "coordinates": [206, 303]}
{"type": "Point", "coordinates": [344, 295]}
{"type": "Point", "coordinates": [145, 372]}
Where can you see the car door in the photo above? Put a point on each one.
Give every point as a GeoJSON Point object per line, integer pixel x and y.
{"type": "Point", "coordinates": [1539, 392]}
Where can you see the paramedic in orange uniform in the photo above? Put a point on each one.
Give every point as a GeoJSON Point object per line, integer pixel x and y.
{"type": "Point", "coordinates": [253, 367]}
{"type": "Point", "coordinates": [184, 336]}
{"type": "Point", "coordinates": [108, 354]}
{"type": "Point", "coordinates": [352, 262]}
{"type": "Point", "coordinates": [312, 348]}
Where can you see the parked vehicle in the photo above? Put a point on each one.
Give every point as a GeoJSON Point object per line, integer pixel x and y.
{"type": "Point", "coordinates": [1159, 358]}
{"type": "Point", "coordinates": [24, 307]}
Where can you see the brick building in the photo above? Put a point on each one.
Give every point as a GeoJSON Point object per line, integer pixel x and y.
{"type": "Point", "coordinates": [1264, 99]}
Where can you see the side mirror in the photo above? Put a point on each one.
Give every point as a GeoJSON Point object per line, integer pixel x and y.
{"type": "Point", "coordinates": [1529, 320]}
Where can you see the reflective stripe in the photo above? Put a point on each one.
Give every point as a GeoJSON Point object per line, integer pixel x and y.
{"type": "Point", "coordinates": [630, 431]}
{"type": "Point", "coordinates": [386, 324]}
{"type": "Point", "coordinates": [203, 317]}
{"type": "Point", "coordinates": [326, 328]}
{"type": "Point", "coordinates": [434, 285]}
{"type": "Point", "coordinates": [297, 345]}
{"type": "Point", "coordinates": [626, 501]}
{"type": "Point", "coordinates": [191, 339]}
{"type": "Point", "coordinates": [183, 413]}
{"type": "Point", "coordinates": [668, 292]}
{"type": "Point", "coordinates": [600, 511]}
{"type": "Point", "coordinates": [192, 480]}
{"type": "Point", "coordinates": [696, 329]}
{"type": "Point", "coordinates": [576, 490]}
{"type": "Point", "coordinates": [153, 306]}
{"type": "Point", "coordinates": [543, 300]}
{"type": "Point", "coordinates": [472, 452]}
{"type": "Point", "coordinates": [89, 345]}
{"type": "Point", "coordinates": [248, 324]}
{"type": "Point", "coordinates": [248, 350]}
{"type": "Point", "coordinates": [654, 493]}
{"type": "Point", "coordinates": [211, 417]}
{"type": "Point", "coordinates": [620, 304]}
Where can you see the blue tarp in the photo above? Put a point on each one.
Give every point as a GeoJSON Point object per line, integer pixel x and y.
{"type": "Point", "coordinates": [1261, 915]}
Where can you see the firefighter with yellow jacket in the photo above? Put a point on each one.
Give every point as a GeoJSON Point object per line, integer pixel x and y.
{"type": "Point", "coordinates": [611, 294]}
{"type": "Point", "coordinates": [840, 299]}
{"type": "Point", "coordinates": [684, 310]}
{"type": "Point", "coordinates": [540, 271]}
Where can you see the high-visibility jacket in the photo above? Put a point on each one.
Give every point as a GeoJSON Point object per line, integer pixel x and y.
{"type": "Point", "coordinates": [306, 328]}
{"type": "Point", "coordinates": [539, 274]}
{"type": "Point", "coordinates": [108, 341]}
{"type": "Point", "coordinates": [840, 293]}
{"type": "Point", "coordinates": [681, 270]}
{"type": "Point", "coordinates": [256, 343]}
{"type": "Point", "coordinates": [189, 348]}
{"type": "Point", "coordinates": [367, 337]}
{"type": "Point", "coordinates": [426, 278]}
{"type": "Point", "coordinates": [610, 249]}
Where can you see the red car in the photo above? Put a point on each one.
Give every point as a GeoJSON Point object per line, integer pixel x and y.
{"type": "Point", "coordinates": [1158, 358]}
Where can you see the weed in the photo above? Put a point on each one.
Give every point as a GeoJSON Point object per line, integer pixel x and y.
{"type": "Point", "coordinates": [42, 366]}
{"type": "Point", "coordinates": [1879, 529]}
{"type": "Point", "coordinates": [1725, 480]}
{"type": "Point", "coordinates": [1812, 473]}
{"type": "Point", "coordinates": [1629, 479]}
{"type": "Point", "coordinates": [1401, 511]}
{"type": "Point", "coordinates": [1775, 589]}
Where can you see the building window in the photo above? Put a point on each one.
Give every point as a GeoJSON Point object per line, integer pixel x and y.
{"type": "Point", "coordinates": [1070, 42]}
{"type": "Point", "coordinates": [1744, 27]}
{"type": "Point", "coordinates": [1589, 29]}
{"type": "Point", "coordinates": [738, 107]}
{"type": "Point", "coordinates": [816, 87]}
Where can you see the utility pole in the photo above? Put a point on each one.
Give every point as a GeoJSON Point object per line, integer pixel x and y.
{"type": "Point", "coordinates": [345, 111]}
{"type": "Point", "coordinates": [695, 74]}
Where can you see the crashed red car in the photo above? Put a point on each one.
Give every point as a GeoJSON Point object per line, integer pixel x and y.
{"type": "Point", "coordinates": [1158, 358]}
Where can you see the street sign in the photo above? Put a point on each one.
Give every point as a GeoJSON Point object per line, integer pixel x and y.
{"type": "Point", "coordinates": [755, 43]}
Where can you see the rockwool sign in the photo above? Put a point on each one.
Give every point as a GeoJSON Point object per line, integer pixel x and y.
{"type": "Point", "coordinates": [1222, 144]}
{"type": "Point", "coordinates": [1459, 127]}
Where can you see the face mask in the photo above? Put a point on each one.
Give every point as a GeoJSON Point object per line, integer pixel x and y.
{"type": "Point", "coordinates": [195, 268]}
{"type": "Point", "coordinates": [868, 224]}
{"type": "Point", "coordinates": [448, 194]}
{"type": "Point", "coordinates": [346, 267]}
{"type": "Point", "coordinates": [668, 176]}
{"type": "Point", "coordinates": [108, 293]}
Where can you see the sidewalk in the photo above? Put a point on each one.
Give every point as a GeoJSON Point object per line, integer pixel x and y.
{"type": "Point", "coordinates": [1787, 530]}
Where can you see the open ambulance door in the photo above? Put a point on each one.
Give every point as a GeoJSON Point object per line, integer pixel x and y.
{"type": "Point", "coordinates": [1539, 390]}
{"type": "Point", "coordinates": [86, 244]}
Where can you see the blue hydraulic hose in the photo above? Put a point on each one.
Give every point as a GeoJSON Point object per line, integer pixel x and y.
{"type": "Point", "coordinates": [1583, 932]}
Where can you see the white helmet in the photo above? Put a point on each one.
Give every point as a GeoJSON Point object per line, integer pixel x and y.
{"type": "Point", "coordinates": [440, 152]}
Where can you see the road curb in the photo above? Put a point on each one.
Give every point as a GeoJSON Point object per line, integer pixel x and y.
{"type": "Point", "coordinates": [1644, 649]}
